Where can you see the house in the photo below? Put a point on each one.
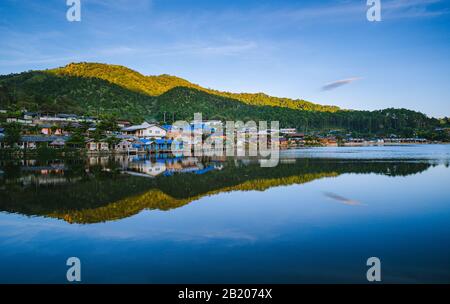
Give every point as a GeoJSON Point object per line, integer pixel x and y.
{"type": "Point", "coordinates": [37, 141]}
{"type": "Point", "coordinates": [288, 131]}
{"type": "Point", "coordinates": [97, 146]}
{"type": "Point", "coordinates": [148, 167]}
{"type": "Point", "coordinates": [355, 142]}
{"type": "Point", "coordinates": [58, 143]}
{"type": "Point", "coordinates": [124, 146]}
{"type": "Point", "coordinates": [329, 141]}
{"type": "Point", "coordinates": [68, 117]}
{"type": "Point", "coordinates": [19, 120]}
{"type": "Point", "coordinates": [295, 136]}
{"type": "Point", "coordinates": [30, 115]}
{"type": "Point", "coordinates": [70, 125]}
{"type": "Point", "coordinates": [60, 118]}
{"type": "Point", "coordinates": [175, 132]}
{"type": "Point", "coordinates": [165, 145]}
{"type": "Point", "coordinates": [157, 145]}
{"type": "Point", "coordinates": [283, 142]}
{"type": "Point", "coordinates": [123, 123]}
{"type": "Point", "coordinates": [145, 130]}
{"type": "Point", "coordinates": [34, 141]}
{"type": "Point", "coordinates": [47, 129]}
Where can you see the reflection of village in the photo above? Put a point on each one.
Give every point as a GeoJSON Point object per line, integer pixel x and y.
{"type": "Point", "coordinates": [28, 173]}
{"type": "Point", "coordinates": [55, 172]}
{"type": "Point", "coordinates": [31, 172]}
{"type": "Point", "coordinates": [143, 165]}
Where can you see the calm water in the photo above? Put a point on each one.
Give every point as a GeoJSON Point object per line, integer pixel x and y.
{"type": "Point", "coordinates": [315, 218]}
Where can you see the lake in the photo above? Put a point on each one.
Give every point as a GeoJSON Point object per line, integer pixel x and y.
{"type": "Point", "coordinates": [315, 218]}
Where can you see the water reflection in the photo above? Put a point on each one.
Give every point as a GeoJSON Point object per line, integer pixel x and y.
{"type": "Point", "coordinates": [343, 200]}
{"type": "Point", "coordinates": [98, 189]}
{"type": "Point", "coordinates": [230, 221]}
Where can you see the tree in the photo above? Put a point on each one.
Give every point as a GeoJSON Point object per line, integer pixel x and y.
{"type": "Point", "coordinates": [112, 141]}
{"type": "Point", "coordinates": [97, 135]}
{"type": "Point", "coordinates": [13, 133]}
{"type": "Point", "coordinates": [54, 129]}
{"type": "Point", "coordinates": [77, 139]}
{"type": "Point", "coordinates": [108, 123]}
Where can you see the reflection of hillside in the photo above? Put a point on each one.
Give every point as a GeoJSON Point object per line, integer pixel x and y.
{"type": "Point", "coordinates": [101, 193]}
{"type": "Point", "coordinates": [155, 199]}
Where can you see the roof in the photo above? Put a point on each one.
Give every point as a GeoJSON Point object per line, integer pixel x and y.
{"type": "Point", "coordinates": [67, 115]}
{"type": "Point", "coordinates": [72, 124]}
{"type": "Point", "coordinates": [142, 126]}
{"type": "Point", "coordinates": [30, 114]}
{"type": "Point", "coordinates": [58, 142]}
{"type": "Point", "coordinates": [37, 138]}
{"type": "Point", "coordinates": [146, 141]}
{"type": "Point", "coordinates": [163, 141]}
{"type": "Point", "coordinates": [121, 136]}
{"type": "Point", "coordinates": [296, 135]}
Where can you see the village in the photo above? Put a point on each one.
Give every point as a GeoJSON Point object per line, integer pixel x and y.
{"type": "Point", "coordinates": [32, 131]}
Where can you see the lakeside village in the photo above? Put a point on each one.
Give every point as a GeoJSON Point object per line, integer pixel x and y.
{"type": "Point", "coordinates": [30, 132]}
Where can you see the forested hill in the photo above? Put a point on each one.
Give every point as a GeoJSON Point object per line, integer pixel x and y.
{"type": "Point", "coordinates": [157, 85]}
{"type": "Point", "coordinates": [93, 89]}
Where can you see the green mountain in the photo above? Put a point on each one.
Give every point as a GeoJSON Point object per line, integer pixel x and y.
{"type": "Point", "coordinates": [158, 85]}
{"type": "Point", "coordinates": [94, 89]}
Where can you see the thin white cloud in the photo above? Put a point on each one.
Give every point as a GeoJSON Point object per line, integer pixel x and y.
{"type": "Point", "coordinates": [219, 48]}
{"type": "Point", "coordinates": [121, 5]}
{"type": "Point", "coordinates": [339, 83]}
{"type": "Point", "coordinates": [226, 49]}
{"type": "Point", "coordinates": [397, 9]}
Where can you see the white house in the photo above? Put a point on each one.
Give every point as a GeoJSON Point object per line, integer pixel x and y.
{"type": "Point", "coordinates": [288, 131]}
{"type": "Point", "coordinates": [124, 146]}
{"type": "Point", "coordinates": [148, 168]}
{"type": "Point", "coordinates": [145, 130]}
{"type": "Point", "coordinates": [93, 146]}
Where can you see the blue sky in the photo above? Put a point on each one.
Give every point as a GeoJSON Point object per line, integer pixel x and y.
{"type": "Point", "coordinates": [323, 51]}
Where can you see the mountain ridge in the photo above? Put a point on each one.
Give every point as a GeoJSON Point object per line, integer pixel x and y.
{"type": "Point", "coordinates": [155, 85]}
